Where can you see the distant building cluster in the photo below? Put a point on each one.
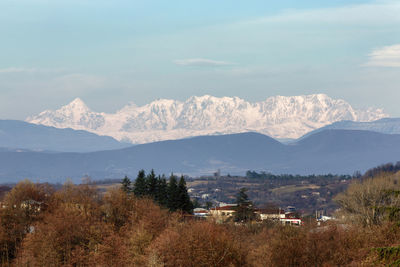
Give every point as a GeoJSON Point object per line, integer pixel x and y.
{"type": "Point", "coordinates": [226, 211]}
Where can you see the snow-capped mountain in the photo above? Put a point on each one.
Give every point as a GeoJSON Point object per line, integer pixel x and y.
{"type": "Point", "coordinates": [278, 117]}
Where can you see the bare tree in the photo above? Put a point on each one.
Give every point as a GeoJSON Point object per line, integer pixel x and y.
{"type": "Point", "coordinates": [371, 201]}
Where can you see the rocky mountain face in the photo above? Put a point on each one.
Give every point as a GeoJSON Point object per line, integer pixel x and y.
{"type": "Point", "coordinates": [278, 117]}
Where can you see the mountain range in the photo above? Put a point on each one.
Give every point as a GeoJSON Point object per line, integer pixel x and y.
{"type": "Point", "coordinates": [198, 137]}
{"type": "Point", "coordinates": [328, 151]}
{"type": "Point", "coordinates": [278, 117]}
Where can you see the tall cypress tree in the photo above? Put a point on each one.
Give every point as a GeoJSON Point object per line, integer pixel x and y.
{"type": "Point", "coordinates": [244, 209]}
{"type": "Point", "coordinates": [151, 182]}
{"type": "Point", "coordinates": [140, 186]}
{"type": "Point", "coordinates": [126, 185]}
{"type": "Point", "coordinates": [162, 194]}
{"type": "Point", "coordinates": [185, 204]}
{"type": "Point", "coordinates": [173, 193]}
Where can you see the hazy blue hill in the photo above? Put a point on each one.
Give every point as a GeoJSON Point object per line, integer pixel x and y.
{"type": "Point", "coordinates": [22, 135]}
{"type": "Point", "coordinates": [345, 141]}
{"type": "Point", "coordinates": [199, 155]}
{"type": "Point", "coordinates": [386, 125]}
{"type": "Point", "coordinates": [344, 151]}
{"type": "Point", "coordinates": [231, 152]}
{"type": "Point", "coordinates": [331, 151]}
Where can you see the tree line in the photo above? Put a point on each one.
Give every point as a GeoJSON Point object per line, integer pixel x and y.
{"type": "Point", "coordinates": [270, 176]}
{"type": "Point", "coordinates": [384, 168]}
{"type": "Point", "coordinates": [171, 193]}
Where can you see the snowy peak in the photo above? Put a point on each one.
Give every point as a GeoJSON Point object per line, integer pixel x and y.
{"type": "Point", "coordinates": [75, 109]}
{"type": "Point", "coordinates": [75, 115]}
{"type": "Point", "coordinates": [162, 119]}
{"type": "Point", "coordinates": [77, 104]}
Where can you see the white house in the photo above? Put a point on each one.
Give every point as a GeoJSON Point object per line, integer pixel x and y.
{"type": "Point", "coordinates": [271, 214]}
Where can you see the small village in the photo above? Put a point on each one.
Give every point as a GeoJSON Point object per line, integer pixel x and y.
{"type": "Point", "coordinates": [225, 213]}
{"type": "Point", "coordinates": [297, 196]}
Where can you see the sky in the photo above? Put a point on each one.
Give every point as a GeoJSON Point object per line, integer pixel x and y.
{"type": "Point", "coordinates": [111, 53]}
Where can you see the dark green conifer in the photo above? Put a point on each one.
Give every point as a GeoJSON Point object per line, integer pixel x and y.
{"type": "Point", "coordinates": [151, 181]}
{"type": "Point", "coordinates": [173, 193]}
{"type": "Point", "coordinates": [196, 203]}
{"type": "Point", "coordinates": [244, 209]}
{"type": "Point", "coordinates": [185, 204]}
{"type": "Point", "coordinates": [208, 205]}
{"type": "Point", "coordinates": [126, 185]}
{"type": "Point", "coordinates": [162, 194]}
{"type": "Point", "coordinates": [140, 186]}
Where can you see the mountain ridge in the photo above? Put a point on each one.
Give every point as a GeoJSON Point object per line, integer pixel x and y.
{"type": "Point", "coordinates": [385, 125]}
{"type": "Point", "coordinates": [330, 151]}
{"type": "Point", "coordinates": [166, 119]}
{"type": "Point", "coordinates": [20, 135]}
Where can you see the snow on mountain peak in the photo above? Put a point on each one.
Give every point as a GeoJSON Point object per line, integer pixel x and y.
{"type": "Point", "coordinates": [77, 106]}
{"type": "Point", "coordinates": [75, 115]}
{"type": "Point", "coordinates": [77, 102]}
{"type": "Point", "coordinates": [162, 119]}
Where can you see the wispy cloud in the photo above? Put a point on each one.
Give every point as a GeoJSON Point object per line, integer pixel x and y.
{"type": "Point", "coordinates": [376, 12]}
{"type": "Point", "coordinates": [22, 70]}
{"type": "Point", "coordinates": [201, 62]}
{"type": "Point", "coordinates": [387, 56]}
{"type": "Point", "coordinates": [77, 81]}
{"type": "Point", "coordinates": [17, 70]}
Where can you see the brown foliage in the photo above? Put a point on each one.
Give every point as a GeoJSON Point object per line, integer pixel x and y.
{"type": "Point", "coordinates": [85, 230]}
{"type": "Point", "coordinates": [198, 244]}
{"type": "Point", "coordinates": [145, 223]}
{"type": "Point", "coordinates": [22, 206]}
{"type": "Point", "coordinates": [70, 232]}
{"type": "Point", "coordinates": [118, 207]}
{"type": "Point", "coordinates": [123, 210]}
{"type": "Point", "coordinates": [85, 198]}
{"type": "Point", "coordinates": [330, 245]}
{"type": "Point", "coordinates": [80, 227]}
{"type": "Point", "coordinates": [365, 202]}
{"type": "Point", "coordinates": [66, 236]}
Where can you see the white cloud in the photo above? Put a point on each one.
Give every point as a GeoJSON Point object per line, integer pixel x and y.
{"type": "Point", "coordinates": [387, 56]}
{"type": "Point", "coordinates": [201, 62]}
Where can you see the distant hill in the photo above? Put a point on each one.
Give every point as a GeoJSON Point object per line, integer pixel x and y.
{"type": "Point", "coordinates": [15, 135]}
{"type": "Point", "coordinates": [344, 151]}
{"type": "Point", "coordinates": [330, 151]}
{"type": "Point", "coordinates": [386, 125]}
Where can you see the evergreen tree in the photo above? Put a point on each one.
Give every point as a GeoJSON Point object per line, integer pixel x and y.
{"type": "Point", "coordinates": [162, 194]}
{"type": "Point", "coordinates": [173, 193]}
{"type": "Point", "coordinates": [196, 203]}
{"type": "Point", "coordinates": [208, 205]}
{"type": "Point", "coordinates": [184, 203]}
{"type": "Point", "coordinates": [244, 209]}
{"type": "Point", "coordinates": [151, 184]}
{"type": "Point", "coordinates": [126, 185]}
{"type": "Point", "coordinates": [140, 186]}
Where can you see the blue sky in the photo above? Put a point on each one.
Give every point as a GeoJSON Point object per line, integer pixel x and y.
{"type": "Point", "coordinates": [110, 53]}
